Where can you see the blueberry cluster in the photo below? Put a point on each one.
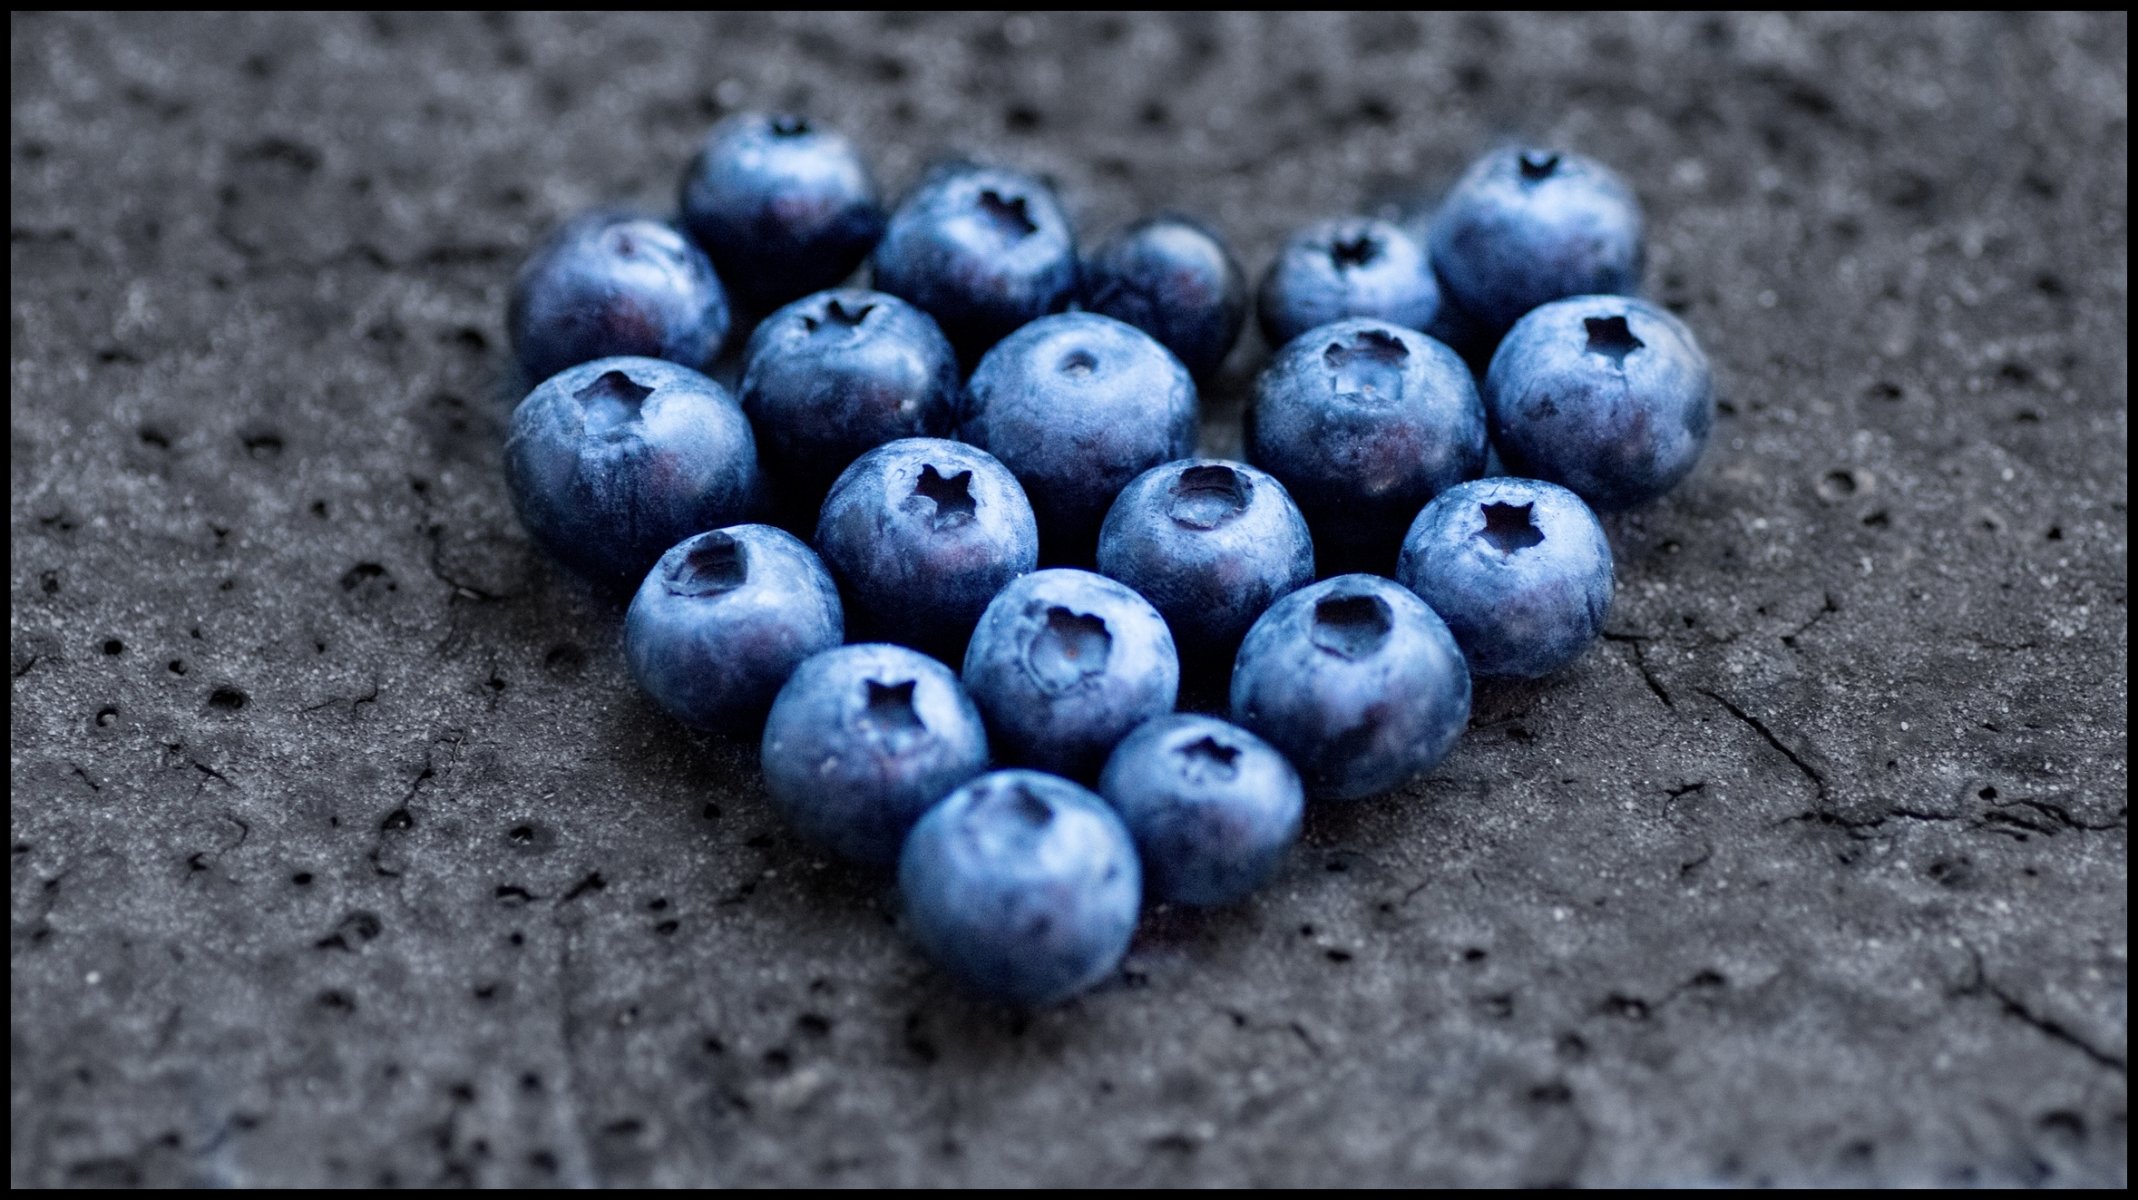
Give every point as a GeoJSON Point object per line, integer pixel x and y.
{"type": "Point", "coordinates": [1001, 401]}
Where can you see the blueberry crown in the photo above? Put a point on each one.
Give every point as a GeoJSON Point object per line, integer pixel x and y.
{"type": "Point", "coordinates": [950, 494]}
{"type": "Point", "coordinates": [888, 708]}
{"type": "Point", "coordinates": [1509, 527]}
{"type": "Point", "coordinates": [1069, 648]}
{"type": "Point", "coordinates": [1537, 165]}
{"type": "Point", "coordinates": [1207, 758]}
{"type": "Point", "coordinates": [716, 565]}
{"type": "Point", "coordinates": [1008, 213]}
{"type": "Point", "coordinates": [611, 404]}
{"type": "Point", "coordinates": [1610, 337]}
{"type": "Point", "coordinates": [1207, 497]}
{"type": "Point", "coordinates": [1352, 627]}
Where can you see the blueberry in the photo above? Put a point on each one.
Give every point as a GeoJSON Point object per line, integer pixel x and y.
{"type": "Point", "coordinates": [1526, 226]}
{"type": "Point", "coordinates": [612, 462]}
{"type": "Point", "coordinates": [783, 205]}
{"type": "Point", "coordinates": [1171, 277]}
{"type": "Point", "coordinates": [1606, 395]}
{"type": "Point", "coordinates": [921, 533]}
{"type": "Point", "coordinates": [1076, 405]}
{"type": "Point", "coordinates": [864, 739]}
{"type": "Point", "coordinates": [1365, 421]}
{"type": "Point", "coordinates": [1212, 807]}
{"type": "Point", "coordinates": [842, 372]}
{"type": "Point", "coordinates": [982, 249]}
{"type": "Point", "coordinates": [1064, 664]}
{"type": "Point", "coordinates": [723, 619]}
{"type": "Point", "coordinates": [1349, 267]}
{"type": "Point", "coordinates": [1022, 887]}
{"type": "Point", "coordinates": [1518, 568]}
{"type": "Point", "coordinates": [1356, 681]}
{"type": "Point", "coordinates": [611, 283]}
{"type": "Point", "coordinates": [1210, 544]}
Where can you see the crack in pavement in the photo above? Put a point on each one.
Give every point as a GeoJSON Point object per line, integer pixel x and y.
{"type": "Point", "coordinates": [2016, 1008]}
{"type": "Point", "coordinates": [1818, 781]}
{"type": "Point", "coordinates": [1640, 663]}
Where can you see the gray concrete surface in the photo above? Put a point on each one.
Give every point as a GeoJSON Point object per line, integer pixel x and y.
{"type": "Point", "coordinates": [344, 852]}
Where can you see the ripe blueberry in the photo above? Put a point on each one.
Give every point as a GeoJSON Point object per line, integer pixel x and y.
{"type": "Point", "coordinates": [1526, 226]}
{"type": "Point", "coordinates": [784, 206]}
{"type": "Point", "coordinates": [1365, 421]}
{"type": "Point", "coordinates": [1076, 405]}
{"type": "Point", "coordinates": [982, 250]}
{"type": "Point", "coordinates": [1212, 807]}
{"type": "Point", "coordinates": [922, 533]}
{"type": "Point", "coordinates": [1173, 278]}
{"type": "Point", "coordinates": [1021, 886]}
{"type": "Point", "coordinates": [723, 619]}
{"type": "Point", "coordinates": [836, 374]}
{"type": "Point", "coordinates": [1348, 267]}
{"type": "Point", "coordinates": [1606, 395]}
{"type": "Point", "coordinates": [1210, 544]}
{"type": "Point", "coordinates": [612, 283]}
{"type": "Point", "coordinates": [612, 462]}
{"type": "Point", "coordinates": [1518, 568]}
{"type": "Point", "coordinates": [1064, 663]}
{"type": "Point", "coordinates": [861, 741]}
{"type": "Point", "coordinates": [1356, 681]}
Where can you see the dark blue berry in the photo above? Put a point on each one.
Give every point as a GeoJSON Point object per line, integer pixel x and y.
{"type": "Point", "coordinates": [1357, 682]}
{"type": "Point", "coordinates": [1526, 226]}
{"type": "Point", "coordinates": [723, 619]}
{"type": "Point", "coordinates": [1349, 267]}
{"type": "Point", "coordinates": [1212, 807]}
{"type": "Point", "coordinates": [1064, 663]}
{"type": "Point", "coordinates": [613, 461]}
{"type": "Point", "coordinates": [1606, 395]}
{"type": "Point", "coordinates": [836, 374]}
{"type": "Point", "coordinates": [612, 283]}
{"type": "Point", "coordinates": [1210, 544]}
{"type": "Point", "coordinates": [1076, 405]}
{"type": "Point", "coordinates": [1173, 278]}
{"type": "Point", "coordinates": [1022, 887]}
{"type": "Point", "coordinates": [783, 205]}
{"type": "Point", "coordinates": [982, 250]}
{"type": "Point", "coordinates": [1518, 568]}
{"type": "Point", "coordinates": [1365, 421]}
{"type": "Point", "coordinates": [922, 533]}
{"type": "Point", "coordinates": [864, 739]}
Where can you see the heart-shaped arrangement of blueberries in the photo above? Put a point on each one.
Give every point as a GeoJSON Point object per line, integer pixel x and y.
{"type": "Point", "coordinates": [1000, 401]}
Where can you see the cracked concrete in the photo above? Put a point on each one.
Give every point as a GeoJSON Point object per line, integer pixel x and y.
{"type": "Point", "coordinates": [344, 853]}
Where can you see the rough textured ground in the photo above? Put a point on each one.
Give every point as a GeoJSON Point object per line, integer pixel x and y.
{"type": "Point", "coordinates": [344, 853]}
